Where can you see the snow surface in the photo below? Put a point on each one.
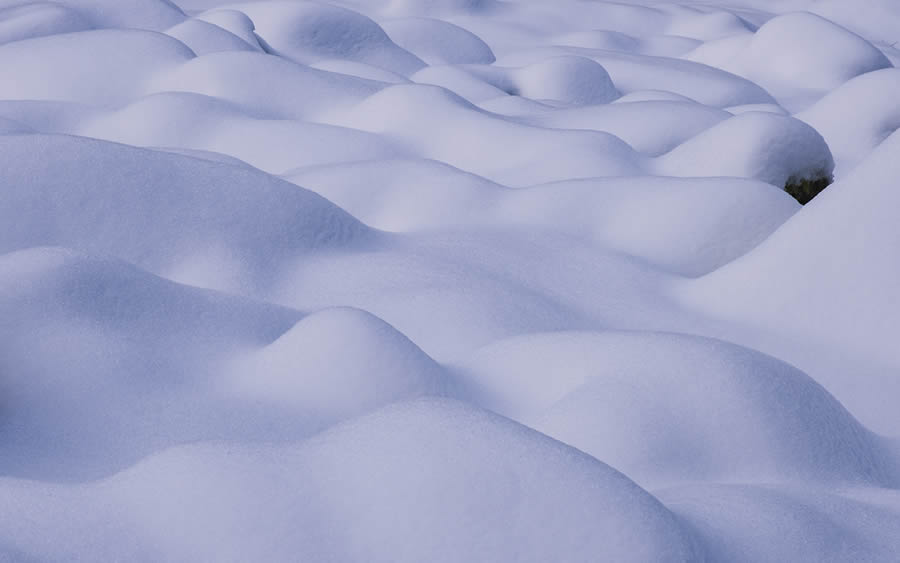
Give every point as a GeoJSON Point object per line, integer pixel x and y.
{"type": "Point", "coordinates": [449, 280]}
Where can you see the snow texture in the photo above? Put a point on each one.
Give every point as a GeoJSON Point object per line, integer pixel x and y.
{"type": "Point", "coordinates": [449, 280]}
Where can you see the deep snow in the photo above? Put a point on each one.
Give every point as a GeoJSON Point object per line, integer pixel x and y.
{"type": "Point", "coordinates": [449, 280]}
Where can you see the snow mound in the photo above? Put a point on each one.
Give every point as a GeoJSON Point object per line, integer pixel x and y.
{"type": "Point", "coordinates": [102, 67]}
{"type": "Point", "coordinates": [471, 138]}
{"type": "Point", "coordinates": [655, 219]}
{"type": "Point", "coordinates": [665, 408]}
{"type": "Point", "coordinates": [39, 19]}
{"type": "Point", "coordinates": [234, 22]}
{"type": "Point", "coordinates": [438, 42]}
{"type": "Point", "coordinates": [709, 86]}
{"type": "Point", "coordinates": [651, 218]}
{"type": "Point", "coordinates": [288, 91]}
{"type": "Point", "coordinates": [204, 38]}
{"type": "Point", "coordinates": [402, 195]}
{"type": "Point", "coordinates": [307, 32]}
{"type": "Point", "coordinates": [799, 50]}
{"type": "Point", "coordinates": [857, 116]}
{"type": "Point", "coordinates": [222, 223]}
{"type": "Point", "coordinates": [203, 123]}
{"type": "Point", "coordinates": [337, 363]}
{"type": "Point", "coordinates": [650, 127]}
{"type": "Point", "coordinates": [761, 145]}
{"type": "Point", "coordinates": [879, 23]}
{"type": "Point", "coordinates": [706, 24]}
{"type": "Point", "coordinates": [101, 332]}
{"type": "Point", "coordinates": [365, 490]}
{"type": "Point", "coordinates": [569, 80]}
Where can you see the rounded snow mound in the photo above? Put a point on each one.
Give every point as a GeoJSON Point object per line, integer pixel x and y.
{"type": "Point", "coordinates": [567, 79]}
{"type": "Point", "coordinates": [98, 67]}
{"type": "Point", "coordinates": [428, 480]}
{"type": "Point", "coordinates": [655, 218]}
{"type": "Point", "coordinates": [338, 363]}
{"type": "Point", "coordinates": [858, 116]}
{"type": "Point", "coordinates": [794, 51]}
{"type": "Point", "coordinates": [650, 127]}
{"type": "Point", "coordinates": [205, 123]}
{"type": "Point", "coordinates": [38, 19]}
{"type": "Point", "coordinates": [879, 21]}
{"type": "Point", "coordinates": [402, 195]}
{"type": "Point", "coordinates": [264, 86]}
{"type": "Point", "coordinates": [59, 285]}
{"type": "Point", "coordinates": [105, 363]}
{"type": "Point", "coordinates": [760, 145]}
{"type": "Point", "coordinates": [438, 42]}
{"type": "Point", "coordinates": [665, 408]}
{"type": "Point", "coordinates": [706, 24]}
{"type": "Point", "coordinates": [234, 22]}
{"type": "Point", "coordinates": [203, 37]}
{"type": "Point", "coordinates": [471, 138]}
{"type": "Point", "coordinates": [307, 32]}
{"type": "Point", "coordinates": [199, 221]}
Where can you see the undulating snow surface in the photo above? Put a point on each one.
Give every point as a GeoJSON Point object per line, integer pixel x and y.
{"type": "Point", "coordinates": [449, 280]}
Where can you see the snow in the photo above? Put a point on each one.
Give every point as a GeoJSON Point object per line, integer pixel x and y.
{"type": "Point", "coordinates": [438, 42]}
{"type": "Point", "coordinates": [760, 145]}
{"type": "Point", "coordinates": [448, 280]}
{"type": "Point", "coordinates": [822, 54]}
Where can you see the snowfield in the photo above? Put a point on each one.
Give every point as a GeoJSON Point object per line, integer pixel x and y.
{"type": "Point", "coordinates": [449, 280]}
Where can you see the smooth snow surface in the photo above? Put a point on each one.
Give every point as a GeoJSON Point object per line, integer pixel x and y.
{"type": "Point", "coordinates": [449, 280]}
